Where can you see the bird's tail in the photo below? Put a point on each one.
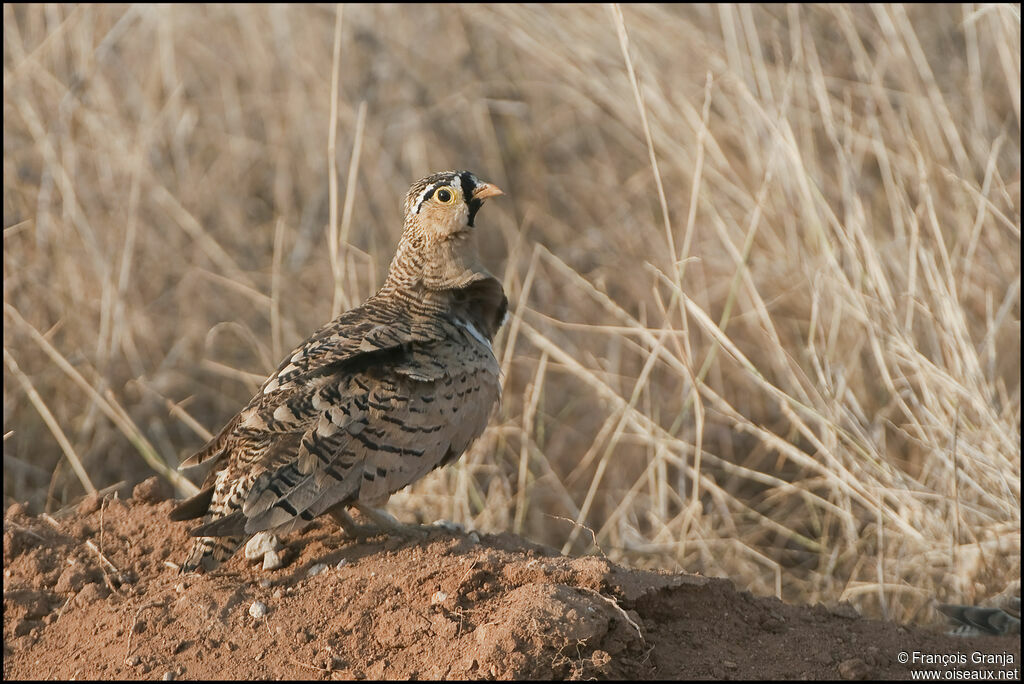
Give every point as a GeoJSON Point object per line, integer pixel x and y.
{"type": "Point", "coordinates": [223, 531]}
{"type": "Point", "coordinates": [209, 552]}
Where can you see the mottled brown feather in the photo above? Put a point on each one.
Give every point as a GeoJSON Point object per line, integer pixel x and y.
{"type": "Point", "coordinates": [372, 401]}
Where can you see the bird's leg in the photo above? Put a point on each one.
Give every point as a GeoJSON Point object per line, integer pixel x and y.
{"type": "Point", "coordinates": [385, 522]}
{"type": "Point", "coordinates": [381, 523]}
{"type": "Point", "coordinates": [351, 527]}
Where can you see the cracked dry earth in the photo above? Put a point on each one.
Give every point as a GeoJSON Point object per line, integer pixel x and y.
{"type": "Point", "coordinates": [90, 595]}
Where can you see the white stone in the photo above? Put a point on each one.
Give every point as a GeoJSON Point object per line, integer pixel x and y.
{"type": "Point", "coordinates": [272, 560]}
{"type": "Point", "coordinates": [261, 543]}
{"type": "Point", "coordinates": [258, 610]}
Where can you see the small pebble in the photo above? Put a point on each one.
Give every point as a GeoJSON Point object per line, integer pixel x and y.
{"type": "Point", "coordinates": [265, 581]}
{"type": "Point", "coordinates": [257, 609]}
{"type": "Point", "coordinates": [855, 668]}
{"type": "Point", "coordinates": [438, 597]}
{"type": "Point", "coordinates": [168, 676]}
{"type": "Point", "coordinates": [316, 570]}
{"type": "Point", "coordinates": [16, 509]}
{"type": "Point", "coordinates": [474, 537]}
{"type": "Point", "coordinates": [260, 544]}
{"type": "Point", "coordinates": [342, 563]}
{"type": "Point", "coordinates": [272, 560]}
{"type": "Point", "coordinates": [133, 661]}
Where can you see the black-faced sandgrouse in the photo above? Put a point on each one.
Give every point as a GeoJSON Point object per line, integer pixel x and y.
{"type": "Point", "coordinates": [375, 399]}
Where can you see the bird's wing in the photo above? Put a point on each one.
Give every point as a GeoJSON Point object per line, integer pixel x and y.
{"type": "Point", "coordinates": [369, 432]}
{"type": "Point", "coordinates": [358, 338]}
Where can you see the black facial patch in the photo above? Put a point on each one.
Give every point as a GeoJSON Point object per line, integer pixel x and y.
{"type": "Point", "coordinates": [468, 188]}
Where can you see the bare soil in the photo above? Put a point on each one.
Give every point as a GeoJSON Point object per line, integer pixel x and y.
{"type": "Point", "coordinates": [93, 594]}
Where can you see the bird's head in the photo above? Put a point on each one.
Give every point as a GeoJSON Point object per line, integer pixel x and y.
{"type": "Point", "coordinates": [443, 205]}
{"type": "Point", "coordinates": [435, 251]}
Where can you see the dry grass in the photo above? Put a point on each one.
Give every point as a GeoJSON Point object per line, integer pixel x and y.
{"type": "Point", "coordinates": [764, 264]}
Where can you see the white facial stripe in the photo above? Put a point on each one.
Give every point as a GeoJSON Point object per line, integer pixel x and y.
{"type": "Point", "coordinates": [423, 196]}
{"type": "Point", "coordinates": [455, 183]}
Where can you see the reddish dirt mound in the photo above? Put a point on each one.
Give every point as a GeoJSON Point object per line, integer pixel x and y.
{"type": "Point", "coordinates": [89, 595]}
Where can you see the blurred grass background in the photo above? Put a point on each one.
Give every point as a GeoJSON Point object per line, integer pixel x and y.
{"type": "Point", "coordinates": [764, 264]}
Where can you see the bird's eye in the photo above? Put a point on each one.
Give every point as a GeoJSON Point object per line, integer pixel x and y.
{"type": "Point", "coordinates": [445, 196]}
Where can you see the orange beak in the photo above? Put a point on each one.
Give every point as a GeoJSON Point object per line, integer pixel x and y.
{"type": "Point", "coordinates": [486, 190]}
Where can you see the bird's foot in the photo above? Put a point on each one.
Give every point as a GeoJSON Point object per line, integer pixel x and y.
{"type": "Point", "coordinates": [381, 523]}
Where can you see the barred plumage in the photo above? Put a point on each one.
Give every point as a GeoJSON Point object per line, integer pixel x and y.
{"type": "Point", "coordinates": [372, 401]}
